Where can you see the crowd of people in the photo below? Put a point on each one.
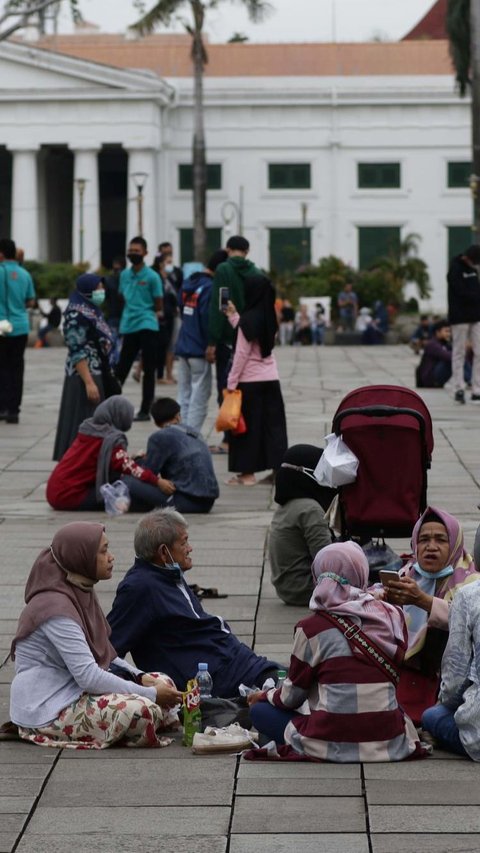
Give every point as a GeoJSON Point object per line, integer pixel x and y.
{"type": "Point", "coordinates": [373, 667]}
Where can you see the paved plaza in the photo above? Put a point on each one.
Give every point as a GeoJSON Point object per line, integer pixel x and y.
{"type": "Point", "coordinates": [170, 800]}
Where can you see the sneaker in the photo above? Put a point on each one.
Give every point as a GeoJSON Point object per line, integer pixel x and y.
{"type": "Point", "coordinates": [141, 416]}
{"type": "Point", "coordinates": [475, 398]}
{"type": "Point", "coordinates": [229, 739]}
{"type": "Point", "coordinates": [459, 396]}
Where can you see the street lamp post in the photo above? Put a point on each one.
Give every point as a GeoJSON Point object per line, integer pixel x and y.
{"type": "Point", "coordinates": [231, 209]}
{"type": "Point", "coordinates": [81, 184]}
{"type": "Point", "coordinates": [304, 208]}
{"type": "Point", "coordinates": [139, 179]}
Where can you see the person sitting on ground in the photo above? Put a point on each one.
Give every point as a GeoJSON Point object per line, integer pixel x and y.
{"type": "Point", "coordinates": [180, 457]}
{"type": "Point", "coordinates": [454, 722]}
{"type": "Point", "coordinates": [378, 328]}
{"type": "Point", "coordinates": [348, 680]}
{"type": "Point", "coordinates": [425, 589]}
{"type": "Point", "coordinates": [422, 333]}
{"type": "Point", "coordinates": [53, 318]}
{"type": "Point", "coordinates": [435, 368]}
{"type": "Point", "coordinates": [97, 456]}
{"type": "Point", "coordinates": [63, 694]}
{"type": "Point", "coordinates": [298, 529]}
{"type": "Point", "coordinates": [156, 616]}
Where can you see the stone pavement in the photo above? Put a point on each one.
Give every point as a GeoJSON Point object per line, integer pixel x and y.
{"type": "Point", "coordinates": [171, 800]}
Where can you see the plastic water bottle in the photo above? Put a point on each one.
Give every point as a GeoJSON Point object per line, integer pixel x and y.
{"type": "Point", "coordinates": [204, 681]}
{"type": "Point", "coordinates": [281, 676]}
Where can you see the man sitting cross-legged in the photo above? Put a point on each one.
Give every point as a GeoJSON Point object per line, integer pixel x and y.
{"type": "Point", "coordinates": [158, 619]}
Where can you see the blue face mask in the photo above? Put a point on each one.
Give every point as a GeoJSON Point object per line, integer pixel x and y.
{"type": "Point", "coordinates": [98, 297]}
{"type": "Point", "coordinates": [172, 565]}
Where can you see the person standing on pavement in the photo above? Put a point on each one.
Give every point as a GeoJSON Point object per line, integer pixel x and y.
{"type": "Point", "coordinates": [17, 293]}
{"type": "Point", "coordinates": [221, 336]}
{"type": "Point", "coordinates": [114, 302]}
{"type": "Point", "coordinates": [142, 291]}
{"type": "Point", "coordinates": [464, 318]}
{"type": "Point", "coordinates": [194, 371]}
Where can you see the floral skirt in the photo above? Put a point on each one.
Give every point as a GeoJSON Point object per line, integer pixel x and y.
{"type": "Point", "coordinates": [95, 722]}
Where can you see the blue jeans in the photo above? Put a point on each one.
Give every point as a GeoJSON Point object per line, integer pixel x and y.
{"type": "Point", "coordinates": [270, 721]}
{"type": "Point", "coordinates": [145, 496]}
{"type": "Point", "coordinates": [440, 722]}
{"type": "Point", "coordinates": [194, 389]}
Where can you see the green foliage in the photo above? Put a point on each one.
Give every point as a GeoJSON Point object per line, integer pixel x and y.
{"type": "Point", "coordinates": [385, 281]}
{"type": "Point", "coordinates": [54, 280]}
{"type": "Point", "coordinates": [458, 29]}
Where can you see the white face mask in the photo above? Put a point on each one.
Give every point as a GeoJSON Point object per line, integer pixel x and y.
{"type": "Point", "coordinates": [169, 268]}
{"type": "Point", "coordinates": [310, 472]}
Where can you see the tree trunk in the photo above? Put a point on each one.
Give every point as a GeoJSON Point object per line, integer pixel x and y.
{"type": "Point", "coordinates": [475, 76]}
{"type": "Point", "coordinates": [198, 154]}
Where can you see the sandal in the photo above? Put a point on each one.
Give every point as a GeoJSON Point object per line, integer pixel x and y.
{"type": "Point", "coordinates": [236, 481]}
{"type": "Point", "coordinates": [217, 450]}
{"type": "Point", "coordinates": [206, 591]}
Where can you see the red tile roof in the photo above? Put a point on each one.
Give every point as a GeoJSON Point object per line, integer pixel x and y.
{"type": "Point", "coordinates": [432, 25]}
{"type": "Point", "coordinates": [169, 56]}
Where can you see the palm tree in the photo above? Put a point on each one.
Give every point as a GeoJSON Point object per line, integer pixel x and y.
{"type": "Point", "coordinates": [463, 27]}
{"type": "Point", "coordinates": [162, 13]}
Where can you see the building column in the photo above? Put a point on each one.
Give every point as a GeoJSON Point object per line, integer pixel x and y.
{"type": "Point", "coordinates": [25, 211]}
{"type": "Point", "coordinates": [143, 160]}
{"type": "Point", "coordinates": [86, 208]}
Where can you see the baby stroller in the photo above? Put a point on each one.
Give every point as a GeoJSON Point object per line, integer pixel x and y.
{"type": "Point", "coordinates": [389, 429]}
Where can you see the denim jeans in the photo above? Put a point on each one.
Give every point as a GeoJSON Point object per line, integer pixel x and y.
{"type": "Point", "coordinates": [194, 389]}
{"type": "Point", "coordinates": [440, 722]}
{"type": "Point", "coordinates": [270, 721]}
{"type": "Point", "coordinates": [145, 496]}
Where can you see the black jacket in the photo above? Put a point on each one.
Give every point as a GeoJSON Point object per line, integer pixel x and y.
{"type": "Point", "coordinates": [463, 292]}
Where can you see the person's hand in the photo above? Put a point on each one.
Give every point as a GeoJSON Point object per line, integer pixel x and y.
{"type": "Point", "coordinates": [93, 394]}
{"type": "Point", "coordinates": [210, 354]}
{"type": "Point", "coordinates": [167, 696]}
{"type": "Point", "coordinates": [259, 696]}
{"type": "Point", "coordinates": [230, 310]}
{"type": "Point", "coordinates": [165, 486]}
{"type": "Point", "coordinates": [407, 591]}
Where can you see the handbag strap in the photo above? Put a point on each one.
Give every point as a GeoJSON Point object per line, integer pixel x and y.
{"type": "Point", "coordinates": [357, 638]}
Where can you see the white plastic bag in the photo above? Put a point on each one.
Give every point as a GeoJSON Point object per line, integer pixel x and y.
{"type": "Point", "coordinates": [337, 465]}
{"type": "Point", "coordinates": [117, 497]}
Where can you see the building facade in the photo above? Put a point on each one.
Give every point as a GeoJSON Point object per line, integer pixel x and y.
{"type": "Point", "coordinates": [333, 149]}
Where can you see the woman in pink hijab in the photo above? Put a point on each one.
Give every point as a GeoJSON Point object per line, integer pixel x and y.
{"type": "Point", "coordinates": [338, 702]}
{"type": "Point", "coordinates": [70, 689]}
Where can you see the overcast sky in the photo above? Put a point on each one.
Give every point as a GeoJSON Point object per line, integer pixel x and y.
{"type": "Point", "coordinates": [290, 20]}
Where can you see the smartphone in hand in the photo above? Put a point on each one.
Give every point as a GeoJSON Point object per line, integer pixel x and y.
{"type": "Point", "coordinates": [223, 298]}
{"type": "Point", "coordinates": [386, 575]}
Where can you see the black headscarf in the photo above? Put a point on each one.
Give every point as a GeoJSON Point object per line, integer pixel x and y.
{"type": "Point", "coordinates": [290, 484]}
{"type": "Point", "coordinates": [258, 321]}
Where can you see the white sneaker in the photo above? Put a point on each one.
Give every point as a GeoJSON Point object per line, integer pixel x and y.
{"type": "Point", "coordinates": [229, 739]}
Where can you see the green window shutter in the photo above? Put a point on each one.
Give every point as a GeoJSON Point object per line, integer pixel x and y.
{"type": "Point", "coordinates": [458, 174]}
{"type": "Point", "coordinates": [375, 243]}
{"type": "Point", "coordinates": [214, 242]}
{"type": "Point", "coordinates": [460, 237]}
{"type": "Point", "coordinates": [214, 176]}
{"type": "Point", "coordinates": [378, 176]}
{"type": "Point", "coordinates": [289, 176]}
{"type": "Point", "coordinates": [289, 248]}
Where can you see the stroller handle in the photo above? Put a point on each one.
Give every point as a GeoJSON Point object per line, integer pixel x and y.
{"type": "Point", "coordinates": [379, 412]}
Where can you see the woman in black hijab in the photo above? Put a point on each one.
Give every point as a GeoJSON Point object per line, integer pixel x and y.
{"type": "Point", "coordinates": [298, 530]}
{"type": "Point", "coordinates": [254, 371]}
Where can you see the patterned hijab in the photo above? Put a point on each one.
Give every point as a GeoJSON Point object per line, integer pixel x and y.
{"type": "Point", "coordinates": [61, 583]}
{"type": "Point", "coordinates": [340, 572]}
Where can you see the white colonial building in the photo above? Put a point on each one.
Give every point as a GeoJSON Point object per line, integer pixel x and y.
{"type": "Point", "coordinates": [322, 149]}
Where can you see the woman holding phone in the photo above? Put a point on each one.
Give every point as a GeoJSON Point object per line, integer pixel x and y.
{"type": "Point", "coordinates": [425, 588]}
{"type": "Point", "coordinates": [254, 371]}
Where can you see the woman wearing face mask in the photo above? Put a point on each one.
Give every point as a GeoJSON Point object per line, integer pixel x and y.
{"type": "Point", "coordinates": [168, 332]}
{"type": "Point", "coordinates": [425, 590]}
{"type": "Point", "coordinates": [70, 689]}
{"type": "Point", "coordinates": [89, 342]}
